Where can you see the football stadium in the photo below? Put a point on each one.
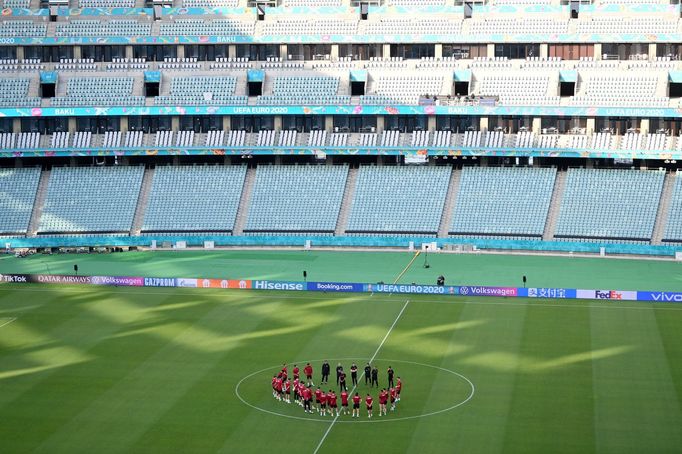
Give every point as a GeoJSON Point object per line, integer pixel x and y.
{"type": "Point", "coordinates": [329, 226]}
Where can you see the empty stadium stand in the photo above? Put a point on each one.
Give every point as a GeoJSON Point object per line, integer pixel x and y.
{"type": "Point", "coordinates": [289, 199]}
{"type": "Point", "coordinates": [398, 200]}
{"type": "Point", "coordinates": [198, 198]}
{"type": "Point", "coordinates": [17, 193]}
{"type": "Point", "coordinates": [91, 199]}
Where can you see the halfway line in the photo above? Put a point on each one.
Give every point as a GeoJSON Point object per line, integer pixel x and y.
{"type": "Point", "coordinates": [363, 373]}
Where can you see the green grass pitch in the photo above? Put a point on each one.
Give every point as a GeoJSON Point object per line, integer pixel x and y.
{"type": "Point", "coordinates": [187, 370]}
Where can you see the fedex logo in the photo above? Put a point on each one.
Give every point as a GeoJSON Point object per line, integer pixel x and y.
{"type": "Point", "coordinates": [607, 295]}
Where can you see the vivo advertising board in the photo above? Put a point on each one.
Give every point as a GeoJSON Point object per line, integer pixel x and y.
{"type": "Point", "coordinates": [335, 287]}
{"type": "Point", "coordinates": [478, 290]}
{"type": "Point", "coordinates": [661, 297]}
{"type": "Point", "coordinates": [278, 285]}
{"type": "Point", "coordinates": [412, 288]}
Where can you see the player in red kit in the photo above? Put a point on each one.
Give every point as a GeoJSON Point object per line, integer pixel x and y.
{"type": "Point", "coordinates": [295, 371]}
{"type": "Point", "coordinates": [274, 387]}
{"type": "Point", "coordinates": [278, 388]}
{"type": "Point", "coordinates": [318, 391]}
{"type": "Point", "coordinates": [383, 398]}
{"type": "Point", "coordinates": [323, 404]}
{"type": "Point", "coordinates": [398, 388]}
{"type": "Point", "coordinates": [308, 371]}
{"type": "Point", "coordinates": [394, 394]}
{"type": "Point", "coordinates": [356, 405]}
{"type": "Point", "coordinates": [331, 399]}
{"type": "Point", "coordinates": [368, 402]}
{"type": "Point", "coordinates": [285, 374]}
{"type": "Point", "coordinates": [287, 391]}
{"type": "Point", "coordinates": [344, 401]}
{"type": "Point", "coordinates": [307, 400]}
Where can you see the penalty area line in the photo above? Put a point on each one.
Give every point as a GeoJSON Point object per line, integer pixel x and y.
{"type": "Point", "coordinates": [319, 445]}
{"type": "Point", "coordinates": [6, 321]}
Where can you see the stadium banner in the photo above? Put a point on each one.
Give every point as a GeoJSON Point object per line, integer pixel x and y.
{"type": "Point", "coordinates": [606, 295]}
{"type": "Point", "coordinates": [412, 288]}
{"type": "Point", "coordinates": [335, 287]}
{"type": "Point", "coordinates": [159, 282]}
{"type": "Point", "coordinates": [662, 297]}
{"type": "Point", "coordinates": [543, 292]}
{"type": "Point", "coordinates": [122, 281]}
{"type": "Point", "coordinates": [479, 290]}
{"type": "Point", "coordinates": [279, 285]}
{"type": "Point", "coordinates": [224, 283]}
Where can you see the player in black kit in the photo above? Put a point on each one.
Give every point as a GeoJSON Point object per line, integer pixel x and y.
{"type": "Point", "coordinates": [325, 372]}
{"type": "Point", "coordinates": [354, 374]}
{"type": "Point", "coordinates": [375, 376]}
{"type": "Point", "coordinates": [368, 374]}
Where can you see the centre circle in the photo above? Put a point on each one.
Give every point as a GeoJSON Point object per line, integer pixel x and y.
{"type": "Point", "coordinates": [409, 380]}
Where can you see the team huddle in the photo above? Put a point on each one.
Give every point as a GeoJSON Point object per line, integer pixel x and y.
{"type": "Point", "coordinates": [327, 403]}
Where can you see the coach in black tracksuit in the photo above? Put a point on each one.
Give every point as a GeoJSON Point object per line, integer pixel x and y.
{"type": "Point", "coordinates": [325, 372]}
{"type": "Point", "coordinates": [368, 374]}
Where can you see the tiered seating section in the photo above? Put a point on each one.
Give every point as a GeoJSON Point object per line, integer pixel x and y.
{"type": "Point", "coordinates": [14, 93]}
{"type": "Point", "coordinates": [399, 200]}
{"type": "Point", "coordinates": [91, 199]}
{"type": "Point", "coordinates": [194, 198]}
{"type": "Point", "coordinates": [201, 27]}
{"type": "Point", "coordinates": [290, 199]}
{"type": "Point", "coordinates": [403, 89]}
{"type": "Point", "coordinates": [515, 89]}
{"type": "Point", "coordinates": [114, 27]}
{"type": "Point", "coordinates": [305, 90]}
{"type": "Point", "coordinates": [673, 231]}
{"type": "Point", "coordinates": [623, 91]}
{"type": "Point", "coordinates": [19, 27]}
{"type": "Point", "coordinates": [503, 201]}
{"type": "Point", "coordinates": [609, 204]}
{"type": "Point", "coordinates": [17, 193]}
{"type": "Point", "coordinates": [197, 90]}
{"type": "Point", "coordinates": [99, 91]}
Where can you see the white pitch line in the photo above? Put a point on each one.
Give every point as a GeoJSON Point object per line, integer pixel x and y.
{"type": "Point", "coordinates": [319, 445]}
{"type": "Point", "coordinates": [9, 320]}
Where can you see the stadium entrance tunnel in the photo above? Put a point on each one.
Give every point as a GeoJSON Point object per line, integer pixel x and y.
{"type": "Point", "coordinates": [428, 390]}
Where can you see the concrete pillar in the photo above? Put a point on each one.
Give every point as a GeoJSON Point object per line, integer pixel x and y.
{"type": "Point", "coordinates": [77, 52]}
{"type": "Point", "coordinates": [72, 124]}
{"type": "Point", "coordinates": [175, 123]}
{"type": "Point", "coordinates": [544, 50]}
{"type": "Point", "coordinates": [536, 125]}
{"type": "Point", "coordinates": [644, 125]}
{"type": "Point", "coordinates": [597, 51]}
{"type": "Point", "coordinates": [491, 50]}
{"type": "Point", "coordinates": [386, 51]}
{"type": "Point", "coordinates": [380, 123]}
{"type": "Point", "coordinates": [652, 51]}
{"type": "Point", "coordinates": [431, 123]}
{"type": "Point", "coordinates": [20, 53]}
{"type": "Point", "coordinates": [278, 122]}
{"type": "Point", "coordinates": [590, 125]}
{"type": "Point", "coordinates": [124, 124]}
{"type": "Point", "coordinates": [181, 51]}
{"type": "Point", "coordinates": [232, 51]}
{"type": "Point", "coordinates": [227, 123]}
{"type": "Point", "coordinates": [284, 51]}
{"type": "Point", "coordinates": [129, 52]}
{"type": "Point", "coordinates": [483, 124]}
{"type": "Point", "coordinates": [334, 52]}
{"type": "Point", "coordinates": [438, 51]}
{"type": "Point", "coordinates": [16, 125]}
{"type": "Point", "coordinates": [329, 123]}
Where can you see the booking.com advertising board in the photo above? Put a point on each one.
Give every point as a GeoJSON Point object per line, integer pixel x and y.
{"type": "Point", "coordinates": [347, 287]}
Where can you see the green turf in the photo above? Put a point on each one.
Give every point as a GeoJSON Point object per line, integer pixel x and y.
{"type": "Point", "coordinates": [155, 370]}
{"type": "Point", "coordinates": [469, 269]}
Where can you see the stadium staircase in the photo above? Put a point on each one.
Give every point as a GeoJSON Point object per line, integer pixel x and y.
{"type": "Point", "coordinates": [245, 201]}
{"type": "Point", "coordinates": [142, 201]}
{"type": "Point", "coordinates": [347, 202]}
{"type": "Point", "coordinates": [39, 203]}
{"type": "Point", "coordinates": [449, 207]}
{"type": "Point", "coordinates": [663, 209]}
{"type": "Point", "coordinates": [554, 206]}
